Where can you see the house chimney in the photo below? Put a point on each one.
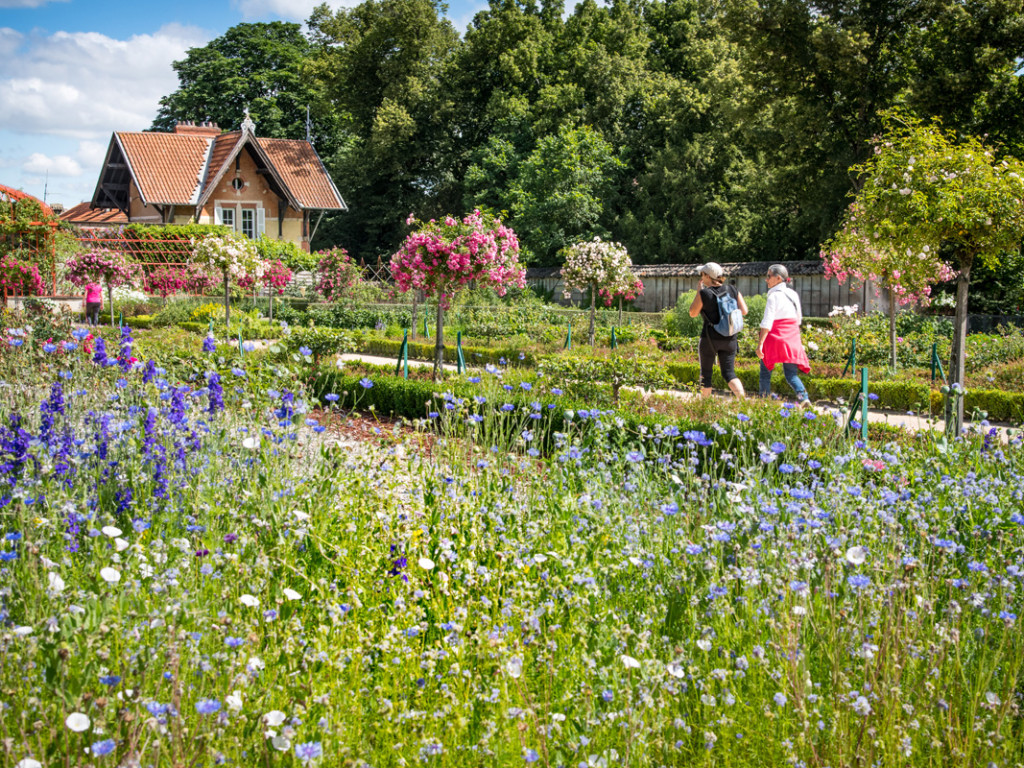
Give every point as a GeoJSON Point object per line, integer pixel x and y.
{"type": "Point", "coordinates": [192, 129]}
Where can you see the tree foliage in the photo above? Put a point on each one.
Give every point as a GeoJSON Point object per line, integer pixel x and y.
{"type": "Point", "coordinates": [688, 130]}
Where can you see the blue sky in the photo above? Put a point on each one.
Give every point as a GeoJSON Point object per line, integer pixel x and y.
{"type": "Point", "coordinates": [75, 71]}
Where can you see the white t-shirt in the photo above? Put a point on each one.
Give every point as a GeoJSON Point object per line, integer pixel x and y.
{"type": "Point", "coordinates": [783, 303]}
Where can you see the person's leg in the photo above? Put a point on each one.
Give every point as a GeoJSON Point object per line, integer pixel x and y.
{"type": "Point", "coordinates": [727, 362]}
{"type": "Point", "coordinates": [764, 384]}
{"type": "Point", "coordinates": [791, 371]}
{"type": "Point", "coordinates": [706, 354]}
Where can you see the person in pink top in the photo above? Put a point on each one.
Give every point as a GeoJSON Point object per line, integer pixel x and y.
{"type": "Point", "coordinates": [779, 340]}
{"type": "Point", "coordinates": [93, 303]}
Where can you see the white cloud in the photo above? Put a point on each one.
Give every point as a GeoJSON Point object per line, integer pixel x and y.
{"type": "Point", "coordinates": [86, 84]}
{"type": "Point", "coordinates": [292, 10]}
{"type": "Point", "coordinates": [27, 3]}
{"type": "Point", "coordinates": [58, 165]}
{"type": "Point", "coordinates": [10, 40]}
{"type": "Point", "coordinates": [91, 153]}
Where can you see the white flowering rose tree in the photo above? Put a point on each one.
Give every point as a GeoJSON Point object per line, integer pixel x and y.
{"type": "Point", "coordinates": [234, 256]}
{"type": "Point", "coordinates": [599, 266]}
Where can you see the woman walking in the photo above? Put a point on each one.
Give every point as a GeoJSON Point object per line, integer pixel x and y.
{"type": "Point", "coordinates": [93, 303]}
{"type": "Point", "coordinates": [779, 340]}
{"type": "Point", "coordinates": [712, 342]}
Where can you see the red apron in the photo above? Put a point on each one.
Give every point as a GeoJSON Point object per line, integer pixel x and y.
{"type": "Point", "coordinates": [783, 345]}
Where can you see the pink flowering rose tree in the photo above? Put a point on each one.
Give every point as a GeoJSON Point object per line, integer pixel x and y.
{"type": "Point", "coordinates": [601, 267]}
{"type": "Point", "coordinates": [112, 268]}
{"type": "Point", "coordinates": [442, 257]}
{"type": "Point", "coordinates": [336, 274]}
{"type": "Point", "coordinates": [907, 275]}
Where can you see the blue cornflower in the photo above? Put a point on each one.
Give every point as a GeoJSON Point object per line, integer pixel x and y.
{"type": "Point", "coordinates": [858, 581]}
{"type": "Point", "coordinates": [104, 747]}
{"type": "Point", "coordinates": [508, 407]}
{"type": "Point", "coordinates": [556, 391]}
{"type": "Point", "coordinates": [234, 642]}
{"type": "Point", "coordinates": [311, 750]}
{"type": "Point", "coordinates": [777, 447]}
{"type": "Point", "coordinates": [977, 567]}
{"type": "Point", "coordinates": [530, 755]}
{"type": "Point", "coordinates": [331, 398]}
{"type": "Point", "coordinates": [433, 415]}
{"type": "Point", "coordinates": [634, 457]}
{"type": "Point", "coordinates": [779, 699]}
{"type": "Point", "coordinates": [80, 333]}
{"type": "Point", "coordinates": [305, 351]}
{"type": "Point", "coordinates": [110, 680]}
{"type": "Point", "coordinates": [365, 383]}
{"type": "Point", "coordinates": [526, 385]}
{"type": "Point", "coordinates": [742, 417]}
{"type": "Point", "coordinates": [48, 348]}
{"type": "Point", "coordinates": [473, 379]}
{"type": "Point", "coordinates": [209, 344]}
{"type": "Point", "coordinates": [207, 706]}
{"type": "Point", "coordinates": [607, 695]}
{"type": "Point", "coordinates": [15, 342]}
{"type": "Point", "coordinates": [476, 418]}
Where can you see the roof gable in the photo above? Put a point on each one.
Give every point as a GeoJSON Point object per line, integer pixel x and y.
{"type": "Point", "coordinates": [167, 168]}
{"type": "Point", "coordinates": [185, 168]}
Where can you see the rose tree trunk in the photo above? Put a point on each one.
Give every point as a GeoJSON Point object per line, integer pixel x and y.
{"type": "Point", "coordinates": [227, 301]}
{"type": "Point", "coordinates": [958, 352]}
{"type": "Point", "coordinates": [892, 330]}
{"type": "Point", "coordinates": [593, 310]}
{"type": "Point", "coordinates": [439, 343]}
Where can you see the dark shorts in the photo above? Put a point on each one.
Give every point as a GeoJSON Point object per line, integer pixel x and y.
{"type": "Point", "coordinates": [92, 311]}
{"type": "Point", "coordinates": [725, 350]}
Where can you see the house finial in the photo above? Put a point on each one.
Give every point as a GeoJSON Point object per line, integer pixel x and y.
{"type": "Point", "coordinates": [248, 124]}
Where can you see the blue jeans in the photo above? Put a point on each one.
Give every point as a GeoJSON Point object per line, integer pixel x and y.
{"type": "Point", "coordinates": [790, 371]}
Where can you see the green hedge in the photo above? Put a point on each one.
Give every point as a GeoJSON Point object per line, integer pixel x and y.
{"type": "Point", "coordinates": [899, 395]}
{"type": "Point", "coordinates": [260, 330]}
{"type": "Point", "coordinates": [425, 351]}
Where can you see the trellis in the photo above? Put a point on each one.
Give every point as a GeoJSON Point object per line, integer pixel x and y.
{"type": "Point", "coordinates": [27, 225]}
{"type": "Point", "coordinates": [148, 253]}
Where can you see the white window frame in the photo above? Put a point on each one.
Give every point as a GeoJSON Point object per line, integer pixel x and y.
{"type": "Point", "coordinates": [230, 215]}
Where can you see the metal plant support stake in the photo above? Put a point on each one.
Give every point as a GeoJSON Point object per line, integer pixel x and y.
{"type": "Point", "coordinates": [851, 361]}
{"type": "Point", "coordinates": [460, 360]}
{"type": "Point", "coordinates": [403, 355]}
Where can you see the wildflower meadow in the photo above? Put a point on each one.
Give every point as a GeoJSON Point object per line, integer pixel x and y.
{"type": "Point", "coordinates": [198, 566]}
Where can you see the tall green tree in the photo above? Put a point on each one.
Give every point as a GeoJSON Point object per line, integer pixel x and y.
{"type": "Point", "coordinates": [254, 66]}
{"type": "Point", "coordinates": [380, 64]}
{"type": "Point", "coordinates": [820, 72]}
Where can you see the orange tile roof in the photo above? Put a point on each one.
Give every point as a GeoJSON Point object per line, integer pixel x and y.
{"type": "Point", "coordinates": [301, 171]}
{"type": "Point", "coordinates": [167, 167]}
{"type": "Point", "coordinates": [83, 215]}
{"type": "Point", "coordinates": [223, 146]}
{"type": "Point", "coordinates": [181, 168]}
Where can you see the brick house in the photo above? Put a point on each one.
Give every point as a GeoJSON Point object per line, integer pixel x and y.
{"type": "Point", "coordinates": [197, 174]}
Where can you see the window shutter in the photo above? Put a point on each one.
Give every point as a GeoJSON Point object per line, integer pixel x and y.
{"type": "Point", "coordinates": [261, 221]}
{"type": "Point", "coordinates": [217, 217]}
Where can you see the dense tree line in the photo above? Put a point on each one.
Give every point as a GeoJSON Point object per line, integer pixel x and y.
{"type": "Point", "coordinates": [687, 129]}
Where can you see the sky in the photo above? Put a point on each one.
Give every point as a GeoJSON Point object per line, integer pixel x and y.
{"type": "Point", "coordinates": [74, 71]}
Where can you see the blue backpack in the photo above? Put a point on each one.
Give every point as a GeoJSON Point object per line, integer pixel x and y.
{"type": "Point", "coordinates": [730, 318]}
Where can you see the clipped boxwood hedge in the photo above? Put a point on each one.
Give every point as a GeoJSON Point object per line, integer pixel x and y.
{"type": "Point", "coordinates": [264, 330]}
{"type": "Point", "coordinates": [425, 351]}
{"type": "Point", "coordinates": [899, 395]}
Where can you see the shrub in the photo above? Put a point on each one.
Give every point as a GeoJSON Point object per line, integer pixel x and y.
{"type": "Point", "coordinates": [579, 373]}
{"type": "Point", "coordinates": [320, 341]}
{"type": "Point", "coordinates": [678, 321]}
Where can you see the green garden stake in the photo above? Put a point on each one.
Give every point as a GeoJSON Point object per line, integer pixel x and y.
{"type": "Point", "coordinates": [120, 319]}
{"type": "Point", "coordinates": [615, 341]}
{"type": "Point", "coordinates": [241, 351]}
{"type": "Point", "coordinates": [211, 327]}
{"type": "Point", "coordinates": [568, 337]}
{"type": "Point", "coordinates": [460, 360]}
{"type": "Point", "coordinates": [403, 355]}
{"type": "Point", "coordinates": [937, 362]}
{"type": "Point", "coordinates": [864, 404]}
{"type": "Point", "coordinates": [851, 361]}
{"type": "Point", "coordinates": [426, 328]}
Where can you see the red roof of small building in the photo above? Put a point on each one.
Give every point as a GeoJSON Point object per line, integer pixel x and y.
{"type": "Point", "coordinates": [182, 168]}
{"type": "Point", "coordinates": [85, 216]}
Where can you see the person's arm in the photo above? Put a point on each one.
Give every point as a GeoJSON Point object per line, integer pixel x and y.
{"type": "Point", "coordinates": [742, 303]}
{"type": "Point", "coordinates": [697, 304]}
{"type": "Point", "coordinates": [762, 335]}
